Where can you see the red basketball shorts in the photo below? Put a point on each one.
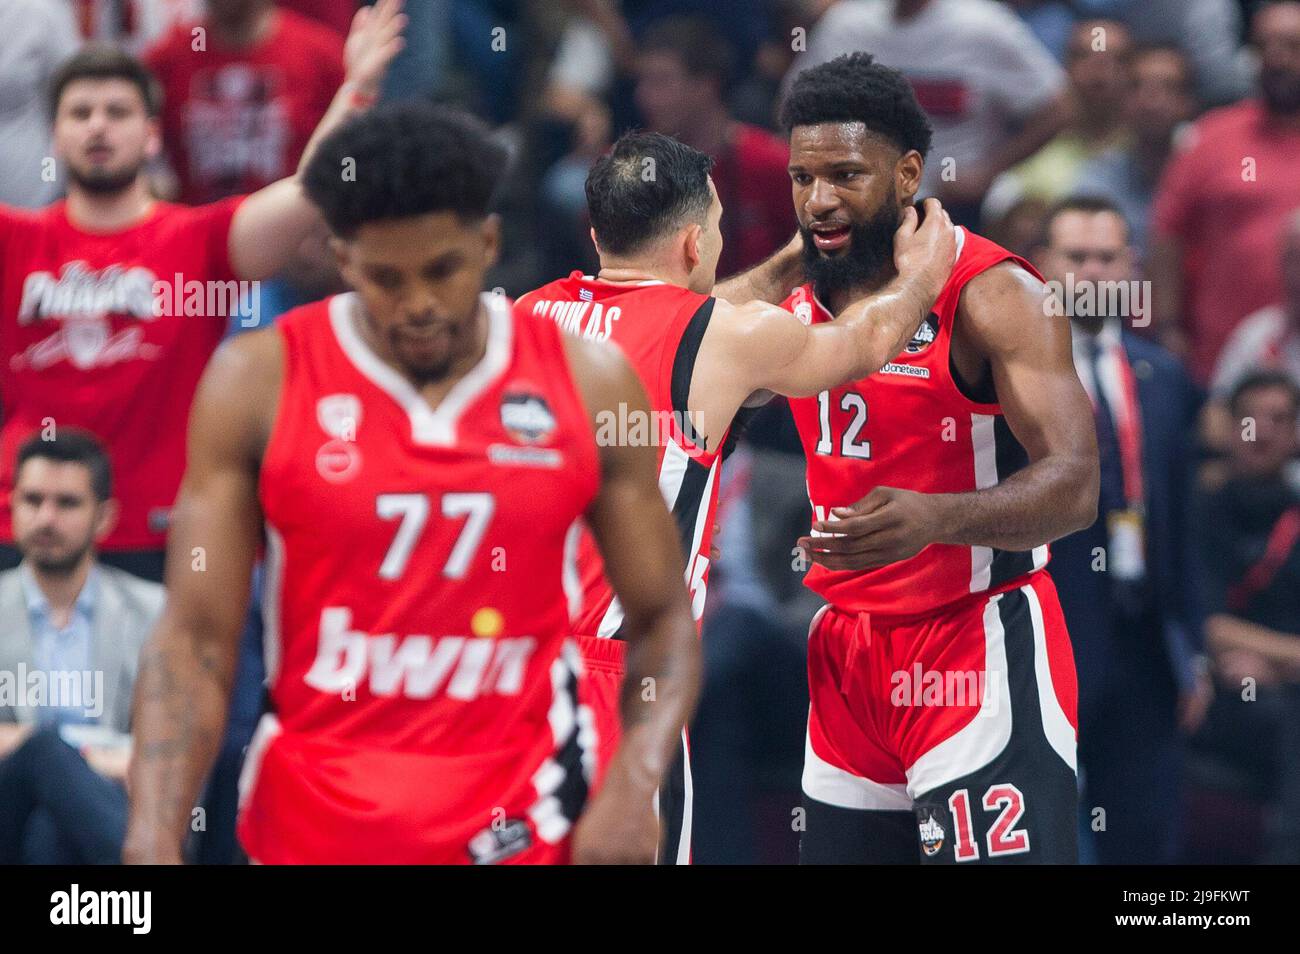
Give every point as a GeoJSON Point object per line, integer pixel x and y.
{"type": "Point", "coordinates": [967, 718]}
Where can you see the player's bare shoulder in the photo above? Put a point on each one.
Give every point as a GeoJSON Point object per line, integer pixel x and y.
{"type": "Point", "coordinates": [1007, 289]}
{"type": "Point", "coordinates": [240, 389]}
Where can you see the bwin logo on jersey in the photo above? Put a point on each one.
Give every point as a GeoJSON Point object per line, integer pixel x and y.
{"type": "Point", "coordinates": [932, 835]}
{"type": "Point", "coordinates": [527, 417]}
{"type": "Point", "coordinates": [925, 335]}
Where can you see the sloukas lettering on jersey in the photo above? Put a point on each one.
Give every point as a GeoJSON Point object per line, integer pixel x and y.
{"type": "Point", "coordinates": [911, 426]}
{"type": "Point", "coordinates": [658, 327]}
{"type": "Point", "coordinates": [420, 570]}
{"type": "Point", "coordinates": [82, 344]}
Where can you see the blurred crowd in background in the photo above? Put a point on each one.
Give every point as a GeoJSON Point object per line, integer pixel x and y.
{"type": "Point", "coordinates": [1184, 115]}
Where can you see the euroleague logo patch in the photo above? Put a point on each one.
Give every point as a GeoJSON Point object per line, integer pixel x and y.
{"type": "Point", "coordinates": [932, 835]}
{"type": "Point", "coordinates": [925, 335]}
{"type": "Point", "coordinates": [526, 416]}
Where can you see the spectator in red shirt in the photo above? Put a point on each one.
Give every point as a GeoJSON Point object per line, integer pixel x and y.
{"type": "Point", "coordinates": [1223, 201]}
{"type": "Point", "coordinates": [98, 325]}
{"type": "Point", "coordinates": [241, 97]}
{"type": "Point", "coordinates": [683, 68]}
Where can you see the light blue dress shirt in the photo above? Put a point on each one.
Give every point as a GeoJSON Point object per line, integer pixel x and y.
{"type": "Point", "coordinates": [61, 650]}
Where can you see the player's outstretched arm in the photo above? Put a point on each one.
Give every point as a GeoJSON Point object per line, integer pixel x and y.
{"type": "Point", "coordinates": [643, 561]}
{"type": "Point", "coordinates": [1003, 318]}
{"type": "Point", "coordinates": [771, 280]}
{"type": "Point", "coordinates": [271, 224]}
{"type": "Point", "coordinates": [762, 347]}
{"type": "Point", "coordinates": [187, 665]}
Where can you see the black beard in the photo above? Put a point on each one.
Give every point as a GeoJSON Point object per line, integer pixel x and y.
{"type": "Point", "coordinates": [103, 183]}
{"type": "Point", "coordinates": [869, 255]}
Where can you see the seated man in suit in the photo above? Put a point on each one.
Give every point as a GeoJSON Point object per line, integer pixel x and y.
{"type": "Point", "coordinates": [1124, 581]}
{"type": "Point", "coordinates": [70, 636]}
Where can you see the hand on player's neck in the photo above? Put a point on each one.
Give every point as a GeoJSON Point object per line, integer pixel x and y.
{"type": "Point", "coordinates": [109, 212]}
{"type": "Point", "coordinates": [840, 298]}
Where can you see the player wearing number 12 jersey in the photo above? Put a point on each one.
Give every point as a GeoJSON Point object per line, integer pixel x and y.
{"type": "Point", "coordinates": [702, 358]}
{"type": "Point", "coordinates": [942, 726]}
{"type": "Point", "coordinates": [420, 457]}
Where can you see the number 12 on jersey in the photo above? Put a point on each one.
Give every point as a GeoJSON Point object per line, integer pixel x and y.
{"type": "Point", "coordinates": [850, 446]}
{"type": "Point", "coordinates": [413, 509]}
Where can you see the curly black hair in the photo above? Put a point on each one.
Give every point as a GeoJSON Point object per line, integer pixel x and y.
{"type": "Point", "coordinates": [404, 159]}
{"type": "Point", "coordinates": [855, 88]}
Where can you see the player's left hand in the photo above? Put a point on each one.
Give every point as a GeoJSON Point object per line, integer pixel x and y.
{"type": "Point", "coordinates": [885, 526]}
{"type": "Point", "coordinates": [615, 831]}
{"type": "Point", "coordinates": [374, 39]}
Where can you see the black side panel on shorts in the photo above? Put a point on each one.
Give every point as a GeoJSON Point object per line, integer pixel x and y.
{"type": "Point", "coordinates": [572, 791]}
{"type": "Point", "coordinates": [1028, 776]}
{"type": "Point", "coordinates": [849, 836]}
{"type": "Point", "coordinates": [673, 807]}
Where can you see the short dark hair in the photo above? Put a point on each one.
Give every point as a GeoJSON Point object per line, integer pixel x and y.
{"type": "Point", "coordinates": [1088, 205]}
{"type": "Point", "coordinates": [100, 61]}
{"type": "Point", "coordinates": [855, 88]}
{"type": "Point", "coordinates": [407, 158]}
{"type": "Point", "coordinates": [697, 42]}
{"type": "Point", "coordinates": [1260, 380]}
{"type": "Point", "coordinates": [71, 446]}
{"type": "Point", "coordinates": [646, 186]}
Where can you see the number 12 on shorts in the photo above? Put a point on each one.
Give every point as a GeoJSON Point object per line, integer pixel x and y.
{"type": "Point", "coordinates": [1002, 837]}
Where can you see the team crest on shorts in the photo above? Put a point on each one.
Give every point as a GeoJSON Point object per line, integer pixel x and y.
{"type": "Point", "coordinates": [803, 311]}
{"type": "Point", "coordinates": [339, 415]}
{"type": "Point", "coordinates": [932, 835]}
{"type": "Point", "coordinates": [925, 335]}
{"type": "Point", "coordinates": [527, 417]}
{"type": "Point", "coordinates": [495, 844]}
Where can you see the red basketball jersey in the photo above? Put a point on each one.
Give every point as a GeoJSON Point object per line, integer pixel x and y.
{"type": "Point", "coordinates": [910, 426]}
{"type": "Point", "coordinates": [418, 565]}
{"type": "Point", "coordinates": [658, 327]}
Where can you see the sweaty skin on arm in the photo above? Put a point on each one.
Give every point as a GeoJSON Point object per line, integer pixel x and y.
{"type": "Point", "coordinates": [187, 665]}
{"type": "Point", "coordinates": [1002, 325]}
{"type": "Point", "coordinates": [643, 562]}
{"type": "Point", "coordinates": [757, 347]}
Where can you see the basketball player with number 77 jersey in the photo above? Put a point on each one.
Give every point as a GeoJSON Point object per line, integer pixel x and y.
{"type": "Point", "coordinates": [419, 458]}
